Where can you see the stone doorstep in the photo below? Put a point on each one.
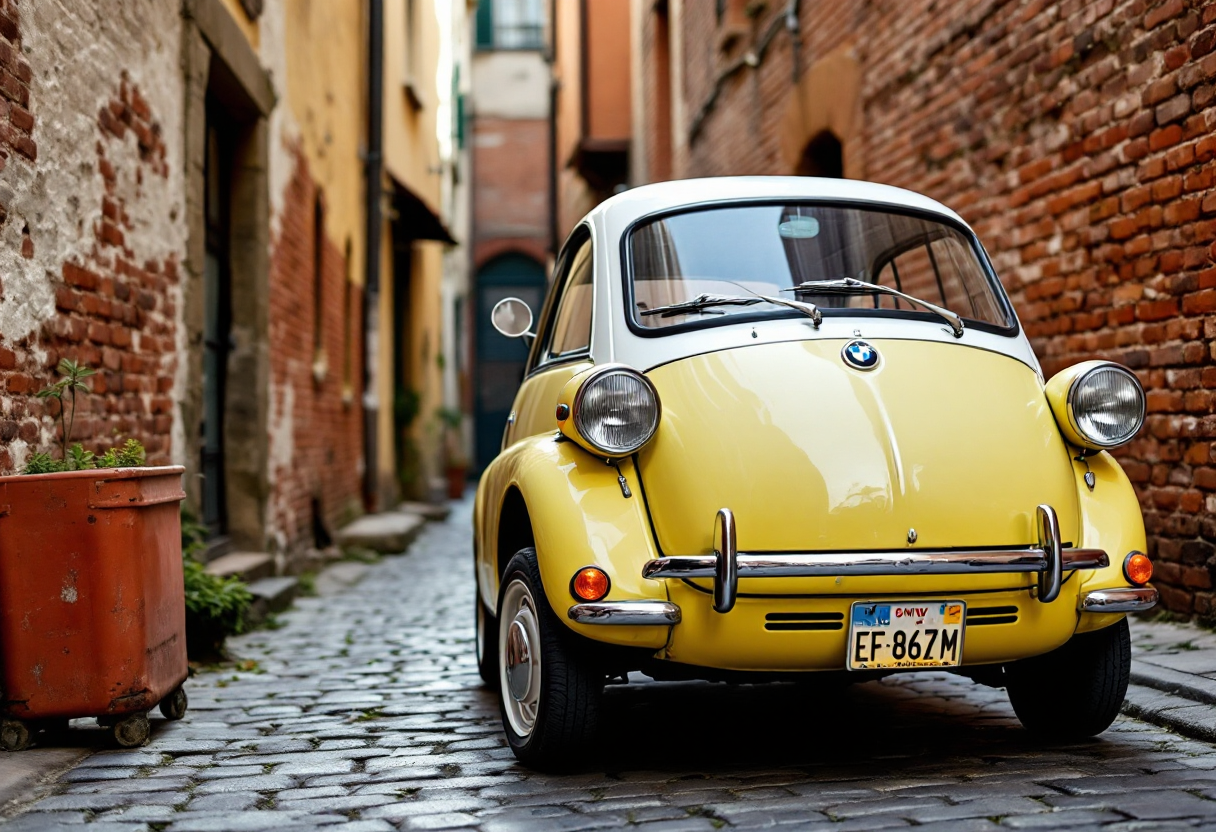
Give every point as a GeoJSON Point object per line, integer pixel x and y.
{"type": "Point", "coordinates": [388, 533]}
{"type": "Point", "coordinates": [248, 566]}
{"type": "Point", "coordinates": [270, 595]}
{"type": "Point", "coordinates": [437, 512]}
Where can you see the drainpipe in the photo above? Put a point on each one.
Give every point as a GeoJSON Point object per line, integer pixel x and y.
{"type": "Point", "coordinates": [373, 170]}
{"type": "Point", "coordinates": [554, 242]}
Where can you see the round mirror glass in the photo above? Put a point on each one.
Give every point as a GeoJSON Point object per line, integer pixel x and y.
{"type": "Point", "coordinates": [511, 317]}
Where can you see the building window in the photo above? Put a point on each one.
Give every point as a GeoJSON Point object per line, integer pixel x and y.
{"type": "Point", "coordinates": [510, 24]}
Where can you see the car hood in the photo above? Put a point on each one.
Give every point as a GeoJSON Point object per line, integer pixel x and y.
{"type": "Point", "coordinates": [956, 443]}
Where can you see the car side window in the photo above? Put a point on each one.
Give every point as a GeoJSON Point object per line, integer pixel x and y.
{"type": "Point", "coordinates": [571, 328]}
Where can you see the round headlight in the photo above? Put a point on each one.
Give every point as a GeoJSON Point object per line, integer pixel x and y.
{"type": "Point", "coordinates": [1106, 405]}
{"type": "Point", "coordinates": [616, 411]}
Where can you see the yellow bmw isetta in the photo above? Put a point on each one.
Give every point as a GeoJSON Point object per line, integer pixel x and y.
{"type": "Point", "coordinates": [791, 428]}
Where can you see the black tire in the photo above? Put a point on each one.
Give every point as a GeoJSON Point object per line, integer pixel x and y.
{"type": "Point", "coordinates": [485, 634]}
{"type": "Point", "coordinates": [1076, 690]}
{"type": "Point", "coordinates": [569, 687]}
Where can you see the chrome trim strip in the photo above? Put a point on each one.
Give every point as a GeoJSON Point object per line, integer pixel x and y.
{"type": "Point", "coordinates": [1132, 599]}
{"type": "Point", "coordinates": [636, 613]}
{"type": "Point", "coordinates": [908, 562]}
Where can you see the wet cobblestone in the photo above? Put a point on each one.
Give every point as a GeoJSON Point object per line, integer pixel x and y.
{"type": "Point", "coordinates": [364, 713]}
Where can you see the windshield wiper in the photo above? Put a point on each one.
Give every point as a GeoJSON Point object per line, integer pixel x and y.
{"type": "Point", "coordinates": [853, 286]}
{"type": "Point", "coordinates": [706, 301]}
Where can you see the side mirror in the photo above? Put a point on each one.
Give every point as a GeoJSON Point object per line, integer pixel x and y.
{"type": "Point", "coordinates": [513, 318]}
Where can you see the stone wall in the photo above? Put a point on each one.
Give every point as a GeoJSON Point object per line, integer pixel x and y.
{"type": "Point", "coordinates": [1076, 137]}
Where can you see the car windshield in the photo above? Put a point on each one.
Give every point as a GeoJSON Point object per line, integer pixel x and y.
{"type": "Point", "coordinates": [752, 250]}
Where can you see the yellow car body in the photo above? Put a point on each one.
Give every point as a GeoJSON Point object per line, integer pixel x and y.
{"type": "Point", "coordinates": [947, 444]}
{"type": "Point", "coordinates": [951, 482]}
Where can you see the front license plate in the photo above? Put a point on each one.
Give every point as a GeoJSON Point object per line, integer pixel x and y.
{"type": "Point", "coordinates": [906, 634]}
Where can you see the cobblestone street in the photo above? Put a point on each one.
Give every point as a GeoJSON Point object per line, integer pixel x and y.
{"type": "Point", "coordinates": [364, 712]}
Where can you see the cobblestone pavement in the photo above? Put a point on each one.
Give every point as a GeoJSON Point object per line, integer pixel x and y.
{"type": "Point", "coordinates": [364, 713]}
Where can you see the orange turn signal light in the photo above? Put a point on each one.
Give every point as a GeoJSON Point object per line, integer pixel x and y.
{"type": "Point", "coordinates": [1137, 568]}
{"type": "Point", "coordinates": [589, 584]}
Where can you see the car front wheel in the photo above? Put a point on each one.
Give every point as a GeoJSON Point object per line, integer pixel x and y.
{"type": "Point", "coordinates": [1076, 690]}
{"type": "Point", "coordinates": [550, 695]}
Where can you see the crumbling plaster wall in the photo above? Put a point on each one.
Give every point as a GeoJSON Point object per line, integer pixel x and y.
{"type": "Point", "coordinates": [103, 196]}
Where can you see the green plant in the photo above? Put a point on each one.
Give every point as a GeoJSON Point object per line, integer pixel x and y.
{"type": "Point", "coordinates": [74, 457]}
{"type": "Point", "coordinates": [78, 459]}
{"type": "Point", "coordinates": [451, 419]}
{"type": "Point", "coordinates": [40, 463]}
{"type": "Point", "coordinates": [72, 376]}
{"type": "Point", "coordinates": [130, 454]}
{"type": "Point", "coordinates": [222, 602]}
{"type": "Point", "coordinates": [194, 533]}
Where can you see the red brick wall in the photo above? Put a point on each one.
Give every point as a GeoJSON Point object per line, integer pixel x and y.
{"type": "Point", "coordinates": [115, 309]}
{"type": "Point", "coordinates": [1077, 138]}
{"type": "Point", "coordinates": [316, 435]}
{"type": "Point", "coordinates": [510, 187]}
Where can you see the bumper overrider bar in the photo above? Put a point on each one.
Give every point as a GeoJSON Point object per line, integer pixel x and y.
{"type": "Point", "coordinates": [727, 565]}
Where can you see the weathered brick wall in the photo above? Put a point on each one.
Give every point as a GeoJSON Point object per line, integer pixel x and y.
{"type": "Point", "coordinates": [316, 415]}
{"type": "Point", "coordinates": [91, 232]}
{"type": "Point", "coordinates": [510, 180]}
{"type": "Point", "coordinates": [1077, 138]}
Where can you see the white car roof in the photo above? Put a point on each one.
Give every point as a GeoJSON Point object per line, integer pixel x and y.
{"type": "Point", "coordinates": [619, 211]}
{"type": "Point", "coordinates": [612, 339]}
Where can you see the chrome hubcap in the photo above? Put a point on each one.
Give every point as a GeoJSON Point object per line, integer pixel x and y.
{"type": "Point", "coordinates": [519, 665]}
{"type": "Point", "coordinates": [519, 662]}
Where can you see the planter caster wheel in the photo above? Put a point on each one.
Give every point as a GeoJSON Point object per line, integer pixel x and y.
{"type": "Point", "coordinates": [132, 731]}
{"type": "Point", "coordinates": [174, 705]}
{"type": "Point", "coordinates": [14, 735]}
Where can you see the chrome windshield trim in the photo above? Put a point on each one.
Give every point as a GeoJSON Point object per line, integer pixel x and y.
{"type": "Point", "coordinates": [636, 613]}
{"type": "Point", "coordinates": [1131, 599]}
{"type": "Point", "coordinates": [908, 562]}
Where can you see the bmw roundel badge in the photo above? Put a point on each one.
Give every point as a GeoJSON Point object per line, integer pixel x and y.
{"type": "Point", "coordinates": [860, 355]}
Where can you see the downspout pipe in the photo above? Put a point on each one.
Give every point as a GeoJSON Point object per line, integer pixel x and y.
{"type": "Point", "coordinates": [554, 242]}
{"type": "Point", "coordinates": [373, 164]}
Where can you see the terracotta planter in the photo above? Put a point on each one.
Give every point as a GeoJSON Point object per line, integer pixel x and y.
{"type": "Point", "coordinates": [458, 478]}
{"type": "Point", "coordinates": [92, 608]}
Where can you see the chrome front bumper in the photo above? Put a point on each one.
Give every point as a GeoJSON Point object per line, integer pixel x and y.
{"type": "Point", "coordinates": [1131, 599]}
{"type": "Point", "coordinates": [727, 565]}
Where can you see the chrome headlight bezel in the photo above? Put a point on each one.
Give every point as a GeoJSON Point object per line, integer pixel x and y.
{"type": "Point", "coordinates": [1099, 443]}
{"type": "Point", "coordinates": [578, 412]}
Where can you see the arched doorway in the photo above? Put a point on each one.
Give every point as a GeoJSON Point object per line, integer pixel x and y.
{"type": "Point", "coordinates": [500, 360]}
{"type": "Point", "coordinates": [820, 129]}
{"type": "Point", "coordinates": [823, 156]}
